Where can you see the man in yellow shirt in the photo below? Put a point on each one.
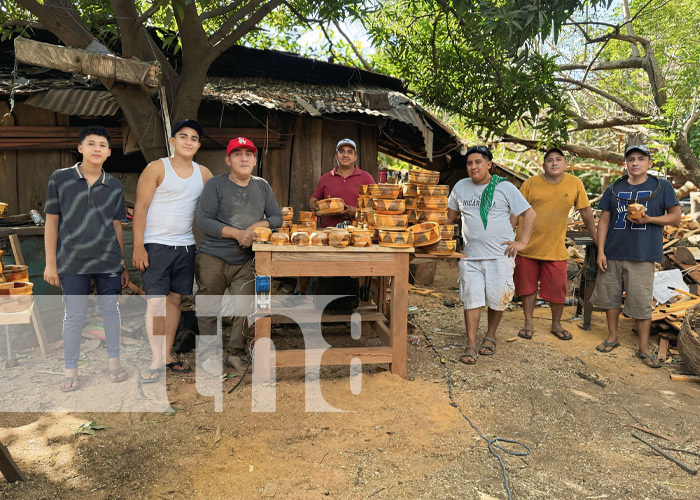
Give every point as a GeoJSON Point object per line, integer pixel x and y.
{"type": "Point", "coordinates": [551, 194]}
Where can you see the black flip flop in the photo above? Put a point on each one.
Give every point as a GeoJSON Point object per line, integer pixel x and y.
{"type": "Point", "coordinates": [608, 346]}
{"type": "Point", "coordinates": [562, 334]}
{"type": "Point", "coordinates": [171, 367]}
{"type": "Point", "coordinates": [649, 360]}
{"type": "Point", "coordinates": [523, 333]}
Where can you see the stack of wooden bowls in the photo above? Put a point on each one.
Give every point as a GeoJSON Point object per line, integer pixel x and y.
{"type": "Point", "coordinates": [447, 245]}
{"type": "Point", "coordinates": [3, 210]}
{"type": "Point", "coordinates": [307, 220]}
{"type": "Point", "coordinates": [390, 218]}
{"type": "Point", "coordinates": [16, 289]}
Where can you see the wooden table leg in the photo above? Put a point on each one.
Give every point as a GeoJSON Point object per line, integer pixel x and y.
{"type": "Point", "coordinates": [399, 314]}
{"type": "Point", "coordinates": [263, 325]}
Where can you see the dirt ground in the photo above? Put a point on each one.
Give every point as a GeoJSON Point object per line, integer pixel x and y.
{"type": "Point", "coordinates": [396, 438]}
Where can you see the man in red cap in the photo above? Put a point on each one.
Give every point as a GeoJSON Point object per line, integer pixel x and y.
{"type": "Point", "coordinates": [232, 205]}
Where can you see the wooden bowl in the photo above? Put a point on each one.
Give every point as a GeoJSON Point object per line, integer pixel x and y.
{"type": "Point", "coordinates": [391, 222]}
{"type": "Point", "coordinates": [421, 176]}
{"type": "Point", "coordinates": [301, 239]}
{"type": "Point", "coordinates": [3, 208]}
{"type": "Point", "coordinates": [307, 223]}
{"type": "Point", "coordinates": [366, 215]}
{"type": "Point", "coordinates": [262, 234]}
{"type": "Point", "coordinates": [386, 191]}
{"type": "Point", "coordinates": [635, 210]}
{"type": "Point", "coordinates": [395, 239]}
{"type": "Point", "coordinates": [411, 203]}
{"type": "Point", "coordinates": [439, 216]}
{"type": "Point", "coordinates": [442, 247]}
{"type": "Point", "coordinates": [287, 213]}
{"type": "Point", "coordinates": [307, 216]}
{"type": "Point", "coordinates": [15, 273]}
{"type": "Point", "coordinates": [427, 190]}
{"type": "Point", "coordinates": [16, 288]}
{"type": "Point", "coordinates": [363, 190]}
{"type": "Point", "coordinates": [409, 190]}
{"type": "Point", "coordinates": [389, 207]}
{"type": "Point", "coordinates": [364, 202]}
{"type": "Point", "coordinates": [361, 239]}
{"type": "Point", "coordinates": [339, 238]}
{"type": "Point", "coordinates": [279, 239]}
{"type": "Point", "coordinates": [330, 206]}
{"type": "Point", "coordinates": [319, 239]}
{"type": "Point", "coordinates": [447, 231]}
{"type": "Point", "coordinates": [412, 216]}
{"type": "Point", "coordinates": [426, 233]}
{"type": "Point", "coordinates": [432, 202]}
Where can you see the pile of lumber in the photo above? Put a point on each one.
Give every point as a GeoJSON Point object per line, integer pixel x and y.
{"type": "Point", "coordinates": [673, 234]}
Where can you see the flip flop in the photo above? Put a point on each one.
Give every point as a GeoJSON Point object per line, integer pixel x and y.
{"type": "Point", "coordinates": [120, 374]}
{"type": "Point", "coordinates": [649, 360]}
{"type": "Point", "coordinates": [562, 334]}
{"type": "Point", "coordinates": [466, 356]}
{"type": "Point", "coordinates": [488, 350]}
{"type": "Point", "coordinates": [607, 346]}
{"type": "Point", "coordinates": [171, 367]}
{"type": "Point", "coordinates": [151, 371]}
{"type": "Point", "coordinates": [71, 387]}
{"type": "Point", "coordinates": [526, 333]}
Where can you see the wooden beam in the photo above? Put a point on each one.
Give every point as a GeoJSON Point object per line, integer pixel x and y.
{"type": "Point", "coordinates": [71, 60]}
{"type": "Point", "coordinates": [8, 467]}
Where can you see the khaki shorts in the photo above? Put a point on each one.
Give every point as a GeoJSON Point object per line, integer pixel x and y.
{"type": "Point", "coordinates": [486, 282]}
{"type": "Point", "coordinates": [633, 277]}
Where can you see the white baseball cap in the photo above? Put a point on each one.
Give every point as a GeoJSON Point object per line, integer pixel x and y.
{"type": "Point", "coordinates": [344, 142]}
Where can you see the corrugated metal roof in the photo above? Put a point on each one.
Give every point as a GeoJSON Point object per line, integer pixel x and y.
{"type": "Point", "coordinates": [327, 99]}
{"type": "Point", "coordinates": [76, 102]}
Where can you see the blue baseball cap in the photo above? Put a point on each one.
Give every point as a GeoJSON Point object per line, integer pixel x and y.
{"type": "Point", "coordinates": [348, 142]}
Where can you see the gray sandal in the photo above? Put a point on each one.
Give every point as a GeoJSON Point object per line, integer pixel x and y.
{"type": "Point", "coordinates": [488, 350]}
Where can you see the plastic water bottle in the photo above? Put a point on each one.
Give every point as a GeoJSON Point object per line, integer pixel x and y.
{"type": "Point", "coordinates": [36, 217]}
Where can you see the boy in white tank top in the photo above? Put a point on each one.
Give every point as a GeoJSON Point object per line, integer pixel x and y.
{"type": "Point", "coordinates": [166, 198]}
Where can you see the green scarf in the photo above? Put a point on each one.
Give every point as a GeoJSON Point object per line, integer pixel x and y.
{"type": "Point", "coordinates": [487, 198]}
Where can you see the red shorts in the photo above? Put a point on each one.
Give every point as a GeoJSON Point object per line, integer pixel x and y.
{"type": "Point", "coordinates": [551, 275]}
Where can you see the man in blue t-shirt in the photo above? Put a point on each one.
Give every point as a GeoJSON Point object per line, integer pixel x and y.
{"type": "Point", "coordinates": [628, 248]}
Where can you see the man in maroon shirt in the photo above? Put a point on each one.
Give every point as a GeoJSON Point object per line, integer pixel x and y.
{"type": "Point", "coordinates": [343, 181]}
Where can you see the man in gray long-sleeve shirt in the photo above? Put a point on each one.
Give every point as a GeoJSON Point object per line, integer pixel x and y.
{"type": "Point", "coordinates": [231, 206]}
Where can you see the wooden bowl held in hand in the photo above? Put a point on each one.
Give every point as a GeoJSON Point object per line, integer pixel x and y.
{"type": "Point", "coordinates": [635, 210]}
{"type": "Point", "coordinates": [330, 206]}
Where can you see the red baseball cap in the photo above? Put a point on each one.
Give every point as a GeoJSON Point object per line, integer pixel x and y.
{"type": "Point", "coordinates": [240, 142]}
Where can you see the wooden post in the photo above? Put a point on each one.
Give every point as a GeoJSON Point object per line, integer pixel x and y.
{"type": "Point", "coordinates": [71, 60]}
{"type": "Point", "coordinates": [399, 314]}
{"type": "Point", "coordinates": [36, 319]}
{"type": "Point", "coordinates": [8, 467]}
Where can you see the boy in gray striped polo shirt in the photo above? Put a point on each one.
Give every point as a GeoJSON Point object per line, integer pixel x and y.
{"type": "Point", "coordinates": [84, 242]}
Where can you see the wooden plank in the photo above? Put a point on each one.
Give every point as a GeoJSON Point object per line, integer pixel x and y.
{"type": "Point", "coordinates": [335, 356]}
{"type": "Point", "coordinates": [8, 165]}
{"type": "Point", "coordinates": [306, 160]}
{"type": "Point", "coordinates": [685, 377]}
{"type": "Point", "coordinates": [663, 350]}
{"type": "Point", "coordinates": [399, 314]}
{"type": "Point", "coordinates": [382, 332]}
{"type": "Point", "coordinates": [72, 60]}
{"type": "Point", "coordinates": [266, 247]}
{"type": "Point", "coordinates": [368, 149]}
{"type": "Point", "coordinates": [16, 250]}
{"type": "Point", "coordinates": [276, 164]}
{"type": "Point", "coordinates": [8, 467]}
{"type": "Point", "coordinates": [348, 267]}
{"type": "Point", "coordinates": [332, 257]}
{"type": "Point", "coordinates": [312, 317]}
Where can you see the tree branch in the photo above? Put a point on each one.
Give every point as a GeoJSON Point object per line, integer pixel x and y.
{"type": "Point", "coordinates": [582, 151]}
{"type": "Point", "coordinates": [617, 121]}
{"type": "Point", "coordinates": [691, 121]}
{"type": "Point", "coordinates": [249, 24]}
{"type": "Point", "coordinates": [628, 25]}
{"type": "Point", "coordinates": [64, 21]}
{"type": "Point", "coordinates": [624, 105]}
{"type": "Point", "coordinates": [220, 10]}
{"type": "Point", "coordinates": [233, 20]}
{"type": "Point", "coordinates": [21, 23]}
{"type": "Point", "coordinates": [631, 63]}
{"type": "Point", "coordinates": [157, 5]}
{"type": "Point", "coordinates": [364, 62]}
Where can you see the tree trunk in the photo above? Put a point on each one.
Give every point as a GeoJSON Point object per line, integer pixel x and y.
{"type": "Point", "coordinates": [144, 119]}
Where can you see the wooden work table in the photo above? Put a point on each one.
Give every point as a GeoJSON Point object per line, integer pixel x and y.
{"type": "Point", "coordinates": [297, 261]}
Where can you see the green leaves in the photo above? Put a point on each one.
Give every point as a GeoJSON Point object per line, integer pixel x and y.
{"type": "Point", "coordinates": [88, 428]}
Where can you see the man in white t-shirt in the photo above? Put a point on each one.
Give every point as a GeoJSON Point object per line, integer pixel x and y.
{"type": "Point", "coordinates": [485, 203]}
